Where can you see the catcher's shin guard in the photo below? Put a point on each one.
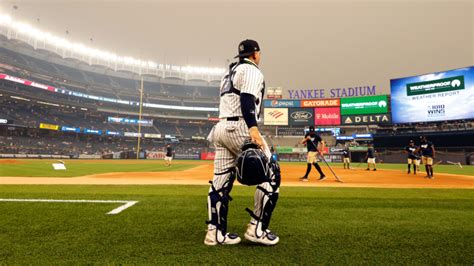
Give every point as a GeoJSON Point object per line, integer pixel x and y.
{"type": "Point", "coordinates": [218, 204]}
{"type": "Point", "coordinates": [268, 193]}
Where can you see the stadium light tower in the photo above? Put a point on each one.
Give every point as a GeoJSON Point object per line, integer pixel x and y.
{"type": "Point", "coordinates": [62, 46]}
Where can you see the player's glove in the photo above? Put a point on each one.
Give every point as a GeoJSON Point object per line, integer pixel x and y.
{"type": "Point", "coordinates": [249, 144]}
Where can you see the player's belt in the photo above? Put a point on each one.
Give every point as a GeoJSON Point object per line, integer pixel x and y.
{"type": "Point", "coordinates": [234, 118]}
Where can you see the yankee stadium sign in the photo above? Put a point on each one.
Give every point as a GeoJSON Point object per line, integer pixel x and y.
{"type": "Point", "coordinates": [331, 92]}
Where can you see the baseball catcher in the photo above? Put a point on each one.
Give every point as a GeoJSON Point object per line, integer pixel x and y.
{"type": "Point", "coordinates": [241, 95]}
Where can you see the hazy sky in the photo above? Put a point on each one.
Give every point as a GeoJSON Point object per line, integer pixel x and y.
{"type": "Point", "coordinates": [305, 44]}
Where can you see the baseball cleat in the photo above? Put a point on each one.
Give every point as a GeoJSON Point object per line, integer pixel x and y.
{"type": "Point", "coordinates": [323, 177]}
{"type": "Point", "coordinates": [368, 169]}
{"type": "Point", "coordinates": [375, 169]}
{"type": "Point", "coordinates": [304, 179]}
{"type": "Point", "coordinates": [229, 238]}
{"type": "Point", "coordinates": [268, 238]}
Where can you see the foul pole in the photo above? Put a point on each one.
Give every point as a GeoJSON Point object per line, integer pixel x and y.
{"type": "Point", "coordinates": [140, 118]}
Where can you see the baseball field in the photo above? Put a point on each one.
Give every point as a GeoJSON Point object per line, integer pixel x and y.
{"type": "Point", "coordinates": [377, 217]}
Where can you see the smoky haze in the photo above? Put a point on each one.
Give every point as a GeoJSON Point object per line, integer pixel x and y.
{"type": "Point", "coordinates": [305, 44]}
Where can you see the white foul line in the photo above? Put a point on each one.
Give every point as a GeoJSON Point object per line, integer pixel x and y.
{"type": "Point", "coordinates": [127, 203]}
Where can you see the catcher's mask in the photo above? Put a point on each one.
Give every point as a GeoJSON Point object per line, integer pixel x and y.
{"type": "Point", "coordinates": [252, 166]}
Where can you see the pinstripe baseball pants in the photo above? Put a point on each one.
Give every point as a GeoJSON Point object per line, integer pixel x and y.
{"type": "Point", "coordinates": [228, 137]}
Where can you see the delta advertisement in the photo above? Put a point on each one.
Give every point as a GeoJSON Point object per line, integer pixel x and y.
{"type": "Point", "coordinates": [364, 105]}
{"type": "Point", "coordinates": [440, 96]}
{"type": "Point", "coordinates": [375, 119]}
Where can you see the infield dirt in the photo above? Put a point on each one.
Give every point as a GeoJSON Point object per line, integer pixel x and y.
{"type": "Point", "coordinates": [201, 174]}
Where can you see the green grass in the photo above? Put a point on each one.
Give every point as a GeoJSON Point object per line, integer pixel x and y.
{"type": "Point", "coordinates": [42, 168]}
{"type": "Point", "coordinates": [316, 226]}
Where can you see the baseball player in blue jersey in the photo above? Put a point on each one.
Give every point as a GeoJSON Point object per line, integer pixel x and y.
{"type": "Point", "coordinates": [312, 140]}
{"type": "Point", "coordinates": [370, 157]}
{"type": "Point", "coordinates": [346, 155]}
{"type": "Point", "coordinates": [169, 155]}
{"type": "Point", "coordinates": [413, 158]}
{"type": "Point", "coordinates": [427, 155]}
{"type": "Point", "coordinates": [241, 95]}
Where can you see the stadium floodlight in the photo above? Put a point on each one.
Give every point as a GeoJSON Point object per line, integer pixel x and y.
{"type": "Point", "coordinates": [20, 98]}
{"type": "Point", "coordinates": [92, 53]}
{"type": "Point", "coordinates": [152, 64]}
{"type": "Point", "coordinates": [5, 19]}
{"type": "Point", "coordinates": [202, 70]}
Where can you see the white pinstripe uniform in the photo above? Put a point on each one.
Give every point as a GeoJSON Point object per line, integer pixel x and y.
{"type": "Point", "coordinates": [228, 136]}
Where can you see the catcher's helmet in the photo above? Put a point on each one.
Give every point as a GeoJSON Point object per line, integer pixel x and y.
{"type": "Point", "coordinates": [252, 166]}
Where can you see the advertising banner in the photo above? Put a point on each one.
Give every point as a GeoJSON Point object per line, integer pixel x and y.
{"type": "Point", "coordinates": [281, 103]}
{"type": "Point", "coordinates": [92, 131]}
{"type": "Point", "coordinates": [300, 116]}
{"type": "Point", "coordinates": [274, 93]}
{"type": "Point", "coordinates": [49, 126]}
{"type": "Point", "coordinates": [327, 116]}
{"type": "Point", "coordinates": [358, 148]}
{"type": "Point", "coordinates": [187, 156]}
{"type": "Point", "coordinates": [438, 85]}
{"type": "Point", "coordinates": [121, 120]}
{"type": "Point", "coordinates": [275, 116]}
{"type": "Point", "coordinates": [344, 138]}
{"type": "Point", "coordinates": [284, 149]}
{"type": "Point", "coordinates": [364, 105]}
{"type": "Point", "coordinates": [363, 136]}
{"type": "Point", "coordinates": [156, 155]}
{"type": "Point", "coordinates": [27, 82]}
{"type": "Point", "coordinates": [70, 129]}
{"type": "Point", "coordinates": [6, 121]}
{"type": "Point", "coordinates": [112, 133]}
{"type": "Point", "coordinates": [208, 155]}
{"type": "Point", "coordinates": [152, 136]}
{"type": "Point", "coordinates": [321, 103]}
{"type": "Point", "coordinates": [366, 119]}
{"type": "Point", "coordinates": [132, 134]}
{"type": "Point", "coordinates": [440, 96]}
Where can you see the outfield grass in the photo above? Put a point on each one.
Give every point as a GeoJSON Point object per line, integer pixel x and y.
{"type": "Point", "coordinates": [316, 225]}
{"type": "Point", "coordinates": [43, 168]}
